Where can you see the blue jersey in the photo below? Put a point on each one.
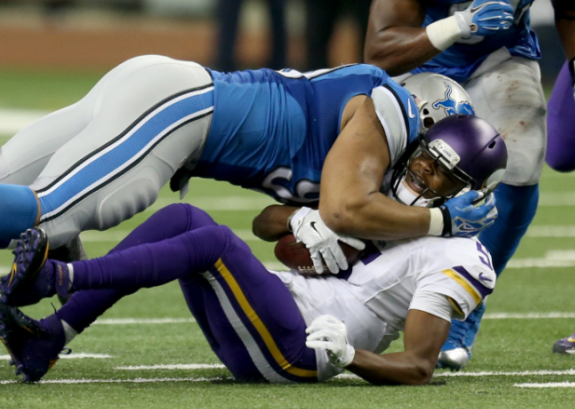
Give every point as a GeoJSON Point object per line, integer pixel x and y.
{"type": "Point", "coordinates": [461, 59]}
{"type": "Point", "coordinates": [271, 131]}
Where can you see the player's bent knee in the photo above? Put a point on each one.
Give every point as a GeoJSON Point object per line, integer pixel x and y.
{"type": "Point", "coordinates": [125, 200]}
{"type": "Point", "coordinates": [511, 98]}
{"type": "Point", "coordinates": [560, 155]}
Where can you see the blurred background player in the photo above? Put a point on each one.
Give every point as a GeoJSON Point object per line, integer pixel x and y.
{"type": "Point", "coordinates": [321, 19]}
{"type": "Point", "coordinates": [489, 47]}
{"type": "Point", "coordinates": [228, 16]}
{"type": "Point", "coordinates": [560, 121]}
{"type": "Point", "coordinates": [255, 320]}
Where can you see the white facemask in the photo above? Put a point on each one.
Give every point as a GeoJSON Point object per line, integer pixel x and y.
{"type": "Point", "coordinates": [407, 196]}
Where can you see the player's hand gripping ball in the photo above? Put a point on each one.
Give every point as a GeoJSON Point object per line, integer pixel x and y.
{"type": "Point", "coordinates": [296, 256]}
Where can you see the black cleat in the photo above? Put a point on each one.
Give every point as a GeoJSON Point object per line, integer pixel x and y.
{"type": "Point", "coordinates": [30, 255]}
{"type": "Point", "coordinates": [33, 345]}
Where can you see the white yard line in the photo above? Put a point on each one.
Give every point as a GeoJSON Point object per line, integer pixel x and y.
{"type": "Point", "coordinates": [342, 376]}
{"type": "Point", "coordinates": [527, 315]}
{"type": "Point", "coordinates": [71, 356]}
{"type": "Point", "coordinates": [557, 199]}
{"type": "Point", "coordinates": [488, 316]}
{"type": "Point", "coordinates": [552, 258]}
{"type": "Point", "coordinates": [143, 321]}
{"type": "Point", "coordinates": [546, 385]}
{"type": "Point", "coordinates": [136, 380]}
{"type": "Point", "coordinates": [12, 120]}
{"type": "Point", "coordinates": [570, 372]}
{"type": "Point", "coordinates": [546, 231]}
{"type": "Point", "coordinates": [169, 367]}
{"type": "Point", "coordinates": [168, 320]}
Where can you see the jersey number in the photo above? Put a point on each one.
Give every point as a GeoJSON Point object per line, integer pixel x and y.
{"type": "Point", "coordinates": [484, 257]}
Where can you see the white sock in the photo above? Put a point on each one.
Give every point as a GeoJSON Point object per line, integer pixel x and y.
{"type": "Point", "coordinates": [70, 274]}
{"type": "Point", "coordinates": [69, 332]}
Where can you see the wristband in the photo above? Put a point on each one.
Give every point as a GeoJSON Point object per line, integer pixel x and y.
{"type": "Point", "coordinates": [296, 216]}
{"type": "Point", "coordinates": [436, 225]}
{"type": "Point", "coordinates": [444, 33]}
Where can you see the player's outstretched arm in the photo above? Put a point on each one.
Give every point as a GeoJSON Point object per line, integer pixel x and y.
{"type": "Point", "coordinates": [350, 200]}
{"type": "Point", "coordinates": [272, 223]}
{"type": "Point", "coordinates": [424, 335]}
{"type": "Point", "coordinates": [395, 40]}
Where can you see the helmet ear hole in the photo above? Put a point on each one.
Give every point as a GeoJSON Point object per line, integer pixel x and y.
{"type": "Point", "coordinates": [491, 145]}
{"type": "Point", "coordinates": [428, 122]}
{"type": "Point", "coordinates": [426, 112]}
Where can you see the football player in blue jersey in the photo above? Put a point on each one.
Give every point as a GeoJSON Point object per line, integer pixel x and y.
{"type": "Point", "coordinates": [560, 120]}
{"type": "Point", "coordinates": [490, 49]}
{"type": "Point", "coordinates": [152, 119]}
{"type": "Point", "coordinates": [279, 326]}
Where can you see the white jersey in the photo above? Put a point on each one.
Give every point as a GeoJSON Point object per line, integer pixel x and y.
{"type": "Point", "coordinates": [447, 278]}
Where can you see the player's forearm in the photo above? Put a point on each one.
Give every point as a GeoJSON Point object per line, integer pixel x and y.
{"type": "Point", "coordinates": [271, 224]}
{"type": "Point", "coordinates": [376, 217]}
{"type": "Point", "coordinates": [399, 49]}
{"type": "Point", "coordinates": [391, 369]}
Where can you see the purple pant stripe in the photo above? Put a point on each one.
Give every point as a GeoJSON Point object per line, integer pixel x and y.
{"type": "Point", "coordinates": [272, 303]}
{"type": "Point", "coordinates": [223, 339]}
{"type": "Point", "coordinates": [484, 291]}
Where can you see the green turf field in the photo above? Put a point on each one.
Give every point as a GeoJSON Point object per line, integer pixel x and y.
{"type": "Point", "coordinates": [514, 346]}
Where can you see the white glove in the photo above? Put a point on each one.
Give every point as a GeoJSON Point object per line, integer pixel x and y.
{"type": "Point", "coordinates": [329, 333]}
{"type": "Point", "coordinates": [309, 229]}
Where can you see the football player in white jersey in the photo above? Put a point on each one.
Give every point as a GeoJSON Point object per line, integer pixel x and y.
{"type": "Point", "coordinates": [274, 326]}
{"type": "Point", "coordinates": [489, 47]}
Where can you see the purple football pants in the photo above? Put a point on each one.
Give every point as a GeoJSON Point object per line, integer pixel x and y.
{"type": "Point", "coordinates": [248, 316]}
{"type": "Point", "coordinates": [561, 124]}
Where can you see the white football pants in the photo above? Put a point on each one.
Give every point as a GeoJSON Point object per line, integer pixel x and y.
{"type": "Point", "coordinates": [102, 160]}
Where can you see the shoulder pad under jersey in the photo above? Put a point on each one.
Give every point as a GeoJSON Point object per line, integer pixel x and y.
{"type": "Point", "coordinates": [399, 116]}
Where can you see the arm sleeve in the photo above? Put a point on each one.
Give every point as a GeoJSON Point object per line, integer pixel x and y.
{"type": "Point", "coordinates": [398, 115]}
{"type": "Point", "coordinates": [435, 304]}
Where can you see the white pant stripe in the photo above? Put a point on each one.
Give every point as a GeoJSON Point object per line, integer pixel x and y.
{"type": "Point", "coordinates": [253, 349]}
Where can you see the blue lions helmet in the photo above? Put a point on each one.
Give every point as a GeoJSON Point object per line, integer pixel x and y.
{"type": "Point", "coordinates": [437, 97]}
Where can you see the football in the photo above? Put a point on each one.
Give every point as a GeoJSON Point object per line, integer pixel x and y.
{"type": "Point", "coordinates": [296, 256]}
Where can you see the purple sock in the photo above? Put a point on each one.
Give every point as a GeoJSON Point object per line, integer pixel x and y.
{"type": "Point", "coordinates": [86, 306]}
{"type": "Point", "coordinates": [150, 265]}
{"type": "Point", "coordinates": [561, 124]}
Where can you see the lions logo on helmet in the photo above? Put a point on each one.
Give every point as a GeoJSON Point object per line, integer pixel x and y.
{"type": "Point", "coordinates": [449, 96]}
{"type": "Point", "coordinates": [451, 106]}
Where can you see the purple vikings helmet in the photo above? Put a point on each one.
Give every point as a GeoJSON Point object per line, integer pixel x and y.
{"type": "Point", "coordinates": [468, 147]}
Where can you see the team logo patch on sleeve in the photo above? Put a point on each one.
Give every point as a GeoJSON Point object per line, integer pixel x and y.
{"type": "Point", "coordinates": [478, 285]}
